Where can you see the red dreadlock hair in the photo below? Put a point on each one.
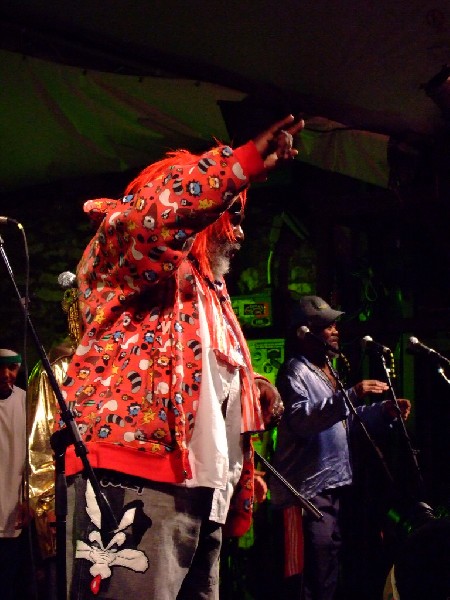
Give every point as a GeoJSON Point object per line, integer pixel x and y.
{"type": "Point", "coordinates": [219, 229]}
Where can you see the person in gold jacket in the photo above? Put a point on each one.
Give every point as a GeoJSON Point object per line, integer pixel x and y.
{"type": "Point", "coordinates": [42, 408]}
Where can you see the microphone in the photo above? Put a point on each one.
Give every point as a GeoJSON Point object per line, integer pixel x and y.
{"type": "Point", "coordinates": [419, 348]}
{"type": "Point", "coordinates": [304, 331]}
{"type": "Point", "coordinates": [66, 280]}
{"type": "Point", "coordinates": [370, 346]}
{"type": "Point", "coordinates": [7, 220]}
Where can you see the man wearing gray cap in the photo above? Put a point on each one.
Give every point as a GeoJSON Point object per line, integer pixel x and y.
{"type": "Point", "coordinates": [312, 446]}
{"type": "Point", "coordinates": [12, 463]}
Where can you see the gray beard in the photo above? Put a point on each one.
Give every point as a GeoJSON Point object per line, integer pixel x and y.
{"type": "Point", "coordinates": [220, 254]}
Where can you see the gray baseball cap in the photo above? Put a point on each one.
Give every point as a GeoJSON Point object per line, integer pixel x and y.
{"type": "Point", "coordinates": [314, 312]}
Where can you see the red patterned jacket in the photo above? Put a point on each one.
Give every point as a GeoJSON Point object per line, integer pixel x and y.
{"type": "Point", "coordinates": [134, 380]}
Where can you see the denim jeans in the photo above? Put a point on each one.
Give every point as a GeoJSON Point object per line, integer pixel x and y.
{"type": "Point", "coordinates": [162, 547]}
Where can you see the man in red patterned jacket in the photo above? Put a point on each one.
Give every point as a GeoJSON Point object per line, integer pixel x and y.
{"type": "Point", "coordinates": [161, 385]}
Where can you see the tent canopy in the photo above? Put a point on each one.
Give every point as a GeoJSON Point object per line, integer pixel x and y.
{"type": "Point", "coordinates": [94, 87]}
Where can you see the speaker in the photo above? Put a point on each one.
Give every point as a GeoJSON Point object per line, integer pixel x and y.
{"type": "Point", "coordinates": [253, 310]}
{"type": "Point", "coordinates": [267, 356]}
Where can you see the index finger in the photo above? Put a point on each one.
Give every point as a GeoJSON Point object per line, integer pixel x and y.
{"type": "Point", "coordinates": [287, 123]}
{"type": "Point", "coordinates": [296, 127]}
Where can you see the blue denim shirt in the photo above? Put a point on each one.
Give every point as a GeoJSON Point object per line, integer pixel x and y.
{"type": "Point", "coordinates": [312, 451]}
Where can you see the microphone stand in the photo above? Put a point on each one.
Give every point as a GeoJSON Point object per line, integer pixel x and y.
{"type": "Point", "coordinates": [304, 502]}
{"type": "Point", "coordinates": [442, 373]}
{"type": "Point", "coordinates": [421, 511]}
{"type": "Point", "coordinates": [412, 452]}
{"type": "Point", "coordinates": [352, 409]}
{"type": "Point", "coordinates": [431, 354]}
{"type": "Point", "coordinates": [60, 440]}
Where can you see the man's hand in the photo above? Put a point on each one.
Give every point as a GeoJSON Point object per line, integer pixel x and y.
{"type": "Point", "coordinates": [271, 403]}
{"type": "Point", "coordinates": [260, 487]}
{"type": "Point", "coordinates": [403, 404]}
{"type": "Point", "coordinates": [275, 143]}
{"type": "Point", "coordinates": [370, 386]}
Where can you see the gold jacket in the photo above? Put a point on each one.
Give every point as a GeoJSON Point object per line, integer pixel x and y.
{"type": "Point", "coordinates": [42, 401]}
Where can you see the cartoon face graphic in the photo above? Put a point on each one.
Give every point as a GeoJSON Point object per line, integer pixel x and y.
{"type": "Point", "coordinates": [149, 336]}
{"type": "Point", "coordinates": [194, 188]}
{"type": "Point", "coordinates": [148, 222]}
{"type": "Point", "coordinates": [140, 204]}
{"type": "Point", "coordinates": [105, 555]}
{"type": "Point", "coordinates": [134, 409]}
{"type": "Point", "coordinates": [159, 434]}
{"type": "Point", "coordinates": [82, 428]}
{"type": "Point", "coordinates": [83, 373]}
{"type": "Point", "coordinates": [104, 431]}
{"type": "Point", "coordinates": [89, 390]}
{"type": "Point", "coordinates": [163, 361]}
